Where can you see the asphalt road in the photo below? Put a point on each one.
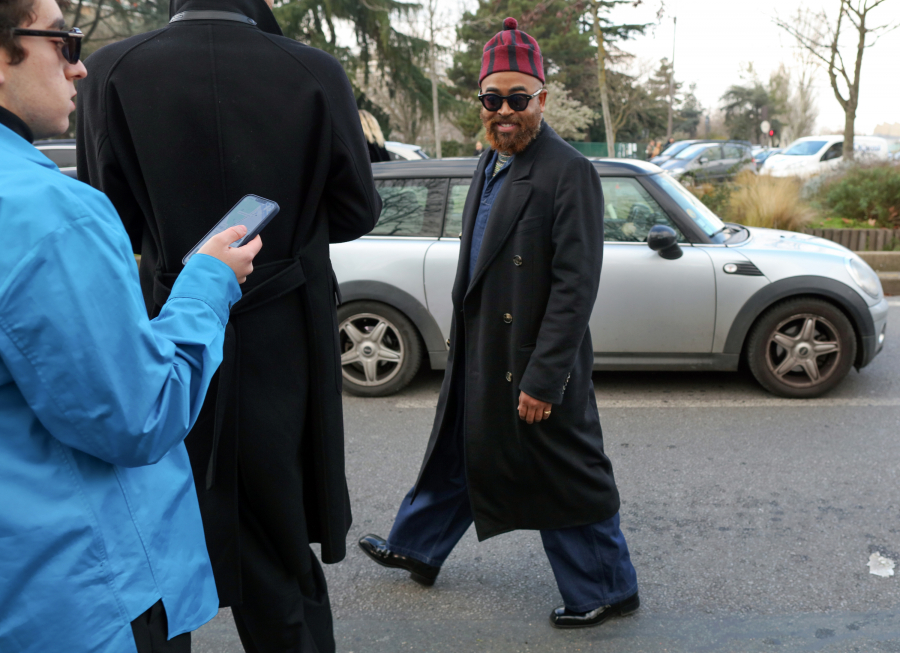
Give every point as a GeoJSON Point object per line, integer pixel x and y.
{"type": "Point", "coordinates": [750, 521]}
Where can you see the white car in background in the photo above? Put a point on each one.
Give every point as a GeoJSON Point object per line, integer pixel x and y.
{"type": "Point", "coordinates": [812, 155]}
{"type": "Point", "coordinates": [404, 151]}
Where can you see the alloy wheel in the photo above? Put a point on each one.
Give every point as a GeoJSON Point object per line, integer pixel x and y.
{"type": "Point", "coordinates": [804, 350]}
{"type": "Point", "coordinates": [372, 351]}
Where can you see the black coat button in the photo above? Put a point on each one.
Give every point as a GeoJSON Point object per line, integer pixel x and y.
{"type": "Point", "coordinates": [507, 318]}
{"type": "Point", "coordinates": [517, 259]}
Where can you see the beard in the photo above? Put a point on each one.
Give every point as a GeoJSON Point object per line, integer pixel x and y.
{"type": "Point", "coordinates": [529, 127]}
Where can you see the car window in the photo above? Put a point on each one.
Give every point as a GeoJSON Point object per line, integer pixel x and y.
{"type": "Point", "coordinates": [62, 157]}
{"type": "Point", "coordinates": [696, 210]}
{"type": "Point", "coordinates": [691, 151]}
{"type": "Point", "coordinates": [833, 152]}
{"type": "Point", "coordinates": [804, 148]}
{"type": "Point", "coordinates": [713, 153]}
{"type": "Point", "coordinates": [630, 211]}
{"type": "Point", "coordinates": [411, 207]}
{"type": "Point", "coordinates": [734, 152]}
{"type": "Point", "coordinates": [459, 189]}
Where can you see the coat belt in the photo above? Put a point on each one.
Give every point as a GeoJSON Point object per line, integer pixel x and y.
{"type": "Point", "coordinates": [288, 278]}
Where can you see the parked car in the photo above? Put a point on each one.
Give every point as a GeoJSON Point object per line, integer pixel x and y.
{"type": "Point", "coordinates": [800, 310]}
{"type": "Point", "coordinates": [404, 151]}
{"type": "Point", "coordinates": [762, 154]}
{"type": "Point", "coordinates": [61, 152]}
{"type": "Point", "coordinates": [678, 146]}
{"type": "Point", "coordinates": [710, 162]}
{"type": "Point", "coordinates": [812, 155]}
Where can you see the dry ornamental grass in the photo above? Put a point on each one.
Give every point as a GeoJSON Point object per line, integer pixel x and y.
{"type": "Point", "coordinates": [759, 201]}
{"type": "Point", "coordinates": [766, 201]}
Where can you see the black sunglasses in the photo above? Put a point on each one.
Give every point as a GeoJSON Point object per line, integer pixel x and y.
{"type": "Point", "coordinates": [71, 50]}
{"type": "Point", "coordinates": [516, 101]}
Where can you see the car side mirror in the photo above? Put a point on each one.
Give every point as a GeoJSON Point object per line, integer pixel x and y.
{"type": "Point", "coordinates": [703, 160]}
{"type": "Point", "coordinates": [664, 241]}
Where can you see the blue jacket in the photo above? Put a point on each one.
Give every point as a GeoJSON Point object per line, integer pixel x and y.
{"type": "Point", "coordinates": [98, 512]}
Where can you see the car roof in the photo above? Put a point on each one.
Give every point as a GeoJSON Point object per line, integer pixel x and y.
{"type": "Point", "coordinates": [465, 167]}
{"type": "Point", "coordinates": [402, 146]}
{"type": "Point", "coordinates": [56, 142]}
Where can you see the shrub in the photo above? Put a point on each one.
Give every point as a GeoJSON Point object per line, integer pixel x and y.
{"type": "Point", "coordinates": [866, 194]}
{"type": "Point", "coordinates": [766, 201]}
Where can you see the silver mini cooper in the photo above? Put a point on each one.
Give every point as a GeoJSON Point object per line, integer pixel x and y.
{"type": "Point", "coordinates": [680, 289]}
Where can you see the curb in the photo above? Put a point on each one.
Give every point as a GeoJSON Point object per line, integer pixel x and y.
{"type": "Point", "coordinates": [882, 261]}
{"type": "Point", "coordinates": [890, 282]}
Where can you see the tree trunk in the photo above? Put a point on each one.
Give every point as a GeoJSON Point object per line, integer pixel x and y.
{"type": "Point", "coordinates": [601, 74]}
{"type": "Point", "coordinates": [436, 115]}
{"type": "Point", "coordinates": [849, 153]}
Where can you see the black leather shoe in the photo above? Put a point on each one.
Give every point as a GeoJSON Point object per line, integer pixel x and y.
{"type": "Point", "coordinates": [562, 618]}
{"type": "Point", "coordinates": [376, 548]}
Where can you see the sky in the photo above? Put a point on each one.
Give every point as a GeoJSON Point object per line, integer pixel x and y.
{"type": "Point", "coordinates": [716, 38]}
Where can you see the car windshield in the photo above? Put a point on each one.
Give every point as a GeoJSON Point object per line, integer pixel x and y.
{"type": "Point", "coordinates": [804, 148]}
{"type": "Point", "coordinates": [691, 151]}
{"type": "Point", "coordinates": [675, 148]}
{"type": "Point", "coordinates": [696, 210]}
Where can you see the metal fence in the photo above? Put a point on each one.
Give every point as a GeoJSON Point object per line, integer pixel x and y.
{"type": "Point", "coordinates": [861, 240]}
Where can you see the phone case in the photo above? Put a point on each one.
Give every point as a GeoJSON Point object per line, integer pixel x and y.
{"type": "Point", "coordinates": [251, 234]}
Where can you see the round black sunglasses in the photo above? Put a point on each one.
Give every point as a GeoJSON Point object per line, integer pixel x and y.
{"type": "Point", "coordinates": [71, 50]}
{"type": "Point", "coordinates": [516, 101]}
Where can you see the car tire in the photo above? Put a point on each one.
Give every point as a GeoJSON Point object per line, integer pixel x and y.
{"type": "Point", "coordinates": [812, 333]}
{"type": "Point", "coordinates": [380, 349]}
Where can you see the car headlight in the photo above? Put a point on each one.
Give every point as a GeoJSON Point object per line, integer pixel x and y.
{"type": "Point", "coordinates": [865, 277]}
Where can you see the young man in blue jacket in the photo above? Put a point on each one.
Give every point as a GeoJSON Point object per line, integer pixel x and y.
{"type": "Point", "coordinates": [101, 542]}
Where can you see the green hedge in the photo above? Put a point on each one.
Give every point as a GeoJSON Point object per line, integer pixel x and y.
{"type": "Point", "coordinates": [865, 194]}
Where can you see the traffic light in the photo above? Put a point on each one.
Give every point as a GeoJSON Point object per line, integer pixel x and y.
{"type": "Point", "coordinates": [771, 132]}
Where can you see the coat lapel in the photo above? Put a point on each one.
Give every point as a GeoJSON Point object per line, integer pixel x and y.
{"type": "Point", "coordinates": [507, 207]}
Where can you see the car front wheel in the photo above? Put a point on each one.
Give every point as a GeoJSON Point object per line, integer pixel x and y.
{"type": "Point", "coordinates": [801, 348]}
{"type": "Point", "coordinates": [380, 349]}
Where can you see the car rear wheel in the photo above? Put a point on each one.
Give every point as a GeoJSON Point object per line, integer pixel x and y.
{"type": "Point", "coordinates": [801, 348]}
{"type": "Point", "coordinates": [380, 349]}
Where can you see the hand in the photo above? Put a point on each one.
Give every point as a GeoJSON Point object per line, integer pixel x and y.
{"type": "Point", "coordinates": [533, 410]}
{"type": "Point", "coordinates": [239, 259]}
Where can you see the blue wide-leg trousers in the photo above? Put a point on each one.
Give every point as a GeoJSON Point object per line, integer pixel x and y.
{"type": "Point", "coordinates": [591, 563]}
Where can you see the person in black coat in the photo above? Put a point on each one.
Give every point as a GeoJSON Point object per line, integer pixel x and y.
{"type": "Point", "coordinates": [516, 441]}
{"type": "Point", "coordinates": [176, 126]}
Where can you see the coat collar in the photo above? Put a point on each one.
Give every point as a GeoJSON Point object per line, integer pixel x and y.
{"type": "Point", "coordinates": [12, 121]}
{"type": "Point", "coordinates": [11, 142]}
{"type": "Point", "coordinates": [258, 10]}
{"type": "Point", "coordinates": [504, 214]}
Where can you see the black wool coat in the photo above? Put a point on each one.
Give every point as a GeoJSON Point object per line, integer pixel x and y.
{"type": "Point", "coordinates": [521, 324]}
{"type": "Point", "coordinates": [175, 126]}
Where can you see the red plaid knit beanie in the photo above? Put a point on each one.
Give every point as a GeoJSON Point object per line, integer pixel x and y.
{"type": "Point", "coordinates": [512, 50]}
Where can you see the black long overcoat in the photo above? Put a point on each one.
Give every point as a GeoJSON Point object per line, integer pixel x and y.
{"type": "Point", "coordinates": [521, 324]}
{"type": "Point", "coordinates": [175, 126]}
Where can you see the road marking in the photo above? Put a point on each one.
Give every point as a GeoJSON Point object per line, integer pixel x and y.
{"type": "Point", "coordinates": [756, 402]}
{"type": "Point", "coordinates": [760, 402]}
{"type": "Point", "coordinates": [894, 302]}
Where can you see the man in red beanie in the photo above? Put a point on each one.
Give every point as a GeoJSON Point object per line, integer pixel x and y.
{"type": "Point", "coordinates": [516, 442]}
